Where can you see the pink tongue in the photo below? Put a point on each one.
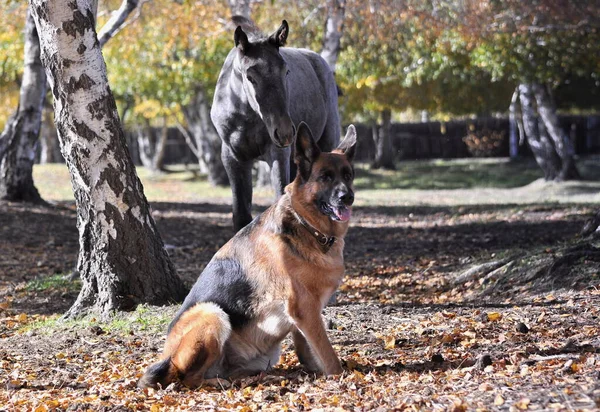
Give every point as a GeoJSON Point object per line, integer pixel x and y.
{"type": "Point", "coordinates": [343, 213]}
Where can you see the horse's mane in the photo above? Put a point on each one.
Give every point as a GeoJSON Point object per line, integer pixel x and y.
{"type": "Point", "coordinates": [254, 34]}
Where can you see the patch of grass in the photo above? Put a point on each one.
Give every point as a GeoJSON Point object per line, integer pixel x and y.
{"type": "Point", "coordinates": [54, 282]}
{"type": "Point", "coordinates": [144, 318]}
{"type": "Point", "coordinates": [178, 184]}
{"type": "Point", "coordinates": [449, 174]}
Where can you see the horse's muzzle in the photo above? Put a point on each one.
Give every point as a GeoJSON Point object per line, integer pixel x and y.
{"type": "Point", "coordinates": [284, 139]}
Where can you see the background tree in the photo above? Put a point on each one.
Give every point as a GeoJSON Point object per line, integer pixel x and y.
{"type": "Point", "coordinates": [19, 138]}
{"type": "Point", "coordinates": [122, 260]}
{"type": "Point", "coordinates": [168, 69]}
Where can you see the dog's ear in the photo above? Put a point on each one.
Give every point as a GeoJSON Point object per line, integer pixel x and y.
{"type": "Point", "coordinates": [241, 39]}
{"type": "Point", "coordinates": [307, 150]}
{"type": "Point", "coordinates": [348, 145]}
{"type": "Point", "coordinates": [279, 38]}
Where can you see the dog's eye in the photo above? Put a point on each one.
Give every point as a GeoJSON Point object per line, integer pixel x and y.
{"type": "Point", "coordinates": [347, 176]}
{"type": "Point", "coordinates": [251, 80]}
{"type": "Point", "coordinates": [326, 177]}
{"type": "Point", "coordinates": [287, 73]}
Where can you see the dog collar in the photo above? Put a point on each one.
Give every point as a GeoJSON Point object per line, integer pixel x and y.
{"type": "Point", "coordinates": [323, 239]}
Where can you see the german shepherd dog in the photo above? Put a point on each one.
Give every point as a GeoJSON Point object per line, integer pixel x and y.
{"type": "Point", "coordinates": [272, 278]}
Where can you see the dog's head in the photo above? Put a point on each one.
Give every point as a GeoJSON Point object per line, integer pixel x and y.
{"type": "Point", "coordinates": [324, 180]}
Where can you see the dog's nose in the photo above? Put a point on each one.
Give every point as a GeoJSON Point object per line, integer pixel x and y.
{"type": "Point", "coordinates": [347, 198]}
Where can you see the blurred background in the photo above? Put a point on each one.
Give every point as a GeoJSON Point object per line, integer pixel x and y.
{"type": "Point", "coordinates": [444, 79]}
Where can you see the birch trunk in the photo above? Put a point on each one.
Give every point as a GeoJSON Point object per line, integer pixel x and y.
{"type": "Point", "coordinates": [206, 140]}
{"type": "Point", "coordinates": [122, 259]}
{"type": "Point", "coordinates": [540, 145]}
{"type": "Point", "coordinates": [152, 146]}
{"type": "Point", "coordinates": [562, 143]}
{"type": "Point", "coordinates": [19, 139]}
{"type": "Point", "coordinates": [116, 21]}
{"type": "Point", "coordinates": [334, 26]}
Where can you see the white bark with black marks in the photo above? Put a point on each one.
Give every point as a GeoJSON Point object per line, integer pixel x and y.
{"type": "Point", "coordinates": [122, 260]}
{"type": "Point", "coordinates": [240, 8]}
{"type": "Point", "coordinates": [152, 146]}
{"type": "Point", "coordinates": [19, 139]}
{"type": "Point", "coordinates": [334, 26]}
{"type": "Point", "coordinates": [206, 142]}
{"type": "Point", "coordinates": [116, 21]}
{"type": "Point", "coordinates": [538, 141]}
{"type": "Point", "coordinates": [561, 141]}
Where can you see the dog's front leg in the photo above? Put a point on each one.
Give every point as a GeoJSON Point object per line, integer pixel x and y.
{"type": "Point", "coordinates": [304, 353]}
{"type": "Point", "coordinates": [310, 323]}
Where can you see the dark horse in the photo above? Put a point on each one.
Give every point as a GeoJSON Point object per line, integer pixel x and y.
{"type": "Point", "coordinates": [263, 91]}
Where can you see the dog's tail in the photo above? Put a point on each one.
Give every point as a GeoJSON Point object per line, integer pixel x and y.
{"type": "Point", "coordinates": [193, 345]}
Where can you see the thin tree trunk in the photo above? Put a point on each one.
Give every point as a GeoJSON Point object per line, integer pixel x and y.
{"type": "Point", "coordinates": [18, 141]}
{"type": "Point", "coordinates": [240, 8]}
{"type": "Point", "coordinates": [50, 149]}
{"type": "Point", "coordinates": [517, 133]}
{"type": "Point", "coordinates": [334, 27]}
{"type": "Point", "coordinates": [384, 152]}
{"type": "Point", "coordinates": [562, 143]}
{"type": "Point", "coordinates": [116, 21]}
{"type": "Point", "coordinates": [206, 139]}
{"type": "Point", "coordinates": [122, 259]}
{"type": "Point", "coordinates": [152, 146]}
{"type": "Point", "coordinates": [542, 148]}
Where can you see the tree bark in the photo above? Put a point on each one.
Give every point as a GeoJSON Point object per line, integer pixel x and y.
{"type": "Point", "coordinates": [122, 259]}
{"type": "Point", "coordinates": [334, 26]}
{"type": "Point", "coordinates": [240, 8]}
{"type": "Point", "coordinates": [562, 143]}
{"type": "Point", "coordinates": [18, 141]}
{"type": "Point", "coordinates": [540, 145]}
{"type": "Point", "coordinates": [116, 21]}
{"type": "Point", "coordinates": [206, 140]}
{"type": "Point", "coordinates": [515, 126]}
{"type": "Point", "coordinates": [152, 146]}
{"type": "Point", "coordinates": [49, 147]}
{"type": "Point", "coordinates": [384, 152]}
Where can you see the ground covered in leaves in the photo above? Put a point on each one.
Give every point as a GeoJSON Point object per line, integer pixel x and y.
{"type": "Point", "coordinates": [443, 308]}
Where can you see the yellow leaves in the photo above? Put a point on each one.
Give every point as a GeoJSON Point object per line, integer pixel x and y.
{"type": "Point", "coordinates": [389, 342]}
{"type": "Point", "coordinates": [369, 82]}
{"type": "Point", "coordinates": [494, 316]}
{"type": "Point", "coordinates": [148, 109]}
{"type": "Point", "coordinates": [498, 400]}
{"type": "Point", "coordinates": [523, 404]}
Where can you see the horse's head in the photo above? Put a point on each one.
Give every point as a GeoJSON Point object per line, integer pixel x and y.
{"type": "Point", "coordinates": [264, 76]}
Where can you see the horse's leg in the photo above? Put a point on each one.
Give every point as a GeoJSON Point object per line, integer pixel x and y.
{"type": "Point", "coordinates": [240, 178]}
{"type": "Point", "coordinates": [280, 169]}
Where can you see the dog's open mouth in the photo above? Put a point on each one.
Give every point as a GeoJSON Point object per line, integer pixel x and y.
{"type": "Point", "coordinates": [340, 213]}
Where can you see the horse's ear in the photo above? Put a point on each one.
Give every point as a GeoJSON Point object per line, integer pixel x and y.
{"type": "Point", "coordinates": [348, 145]}
{"type": "Point", "coordinates": [241, 39]}
{"type": "Point", "coordinates": [280, 36]}
{"type": "Point", "coordinates": [307, 150]}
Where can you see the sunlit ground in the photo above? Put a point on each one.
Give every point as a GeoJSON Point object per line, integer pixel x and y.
{"type": "Point", "coordinates": [428, 182]}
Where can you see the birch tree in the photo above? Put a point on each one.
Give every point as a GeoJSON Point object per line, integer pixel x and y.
{"type": "Point", "coordinates": [19, 139]}
{"type": "Point", "coordinates": [334, 26]}
{"type": "Point", "coordinates": [122, 259]}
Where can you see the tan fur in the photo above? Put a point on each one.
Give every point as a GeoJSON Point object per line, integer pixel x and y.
{"type": "Point", "coordinates": [292, 278]}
